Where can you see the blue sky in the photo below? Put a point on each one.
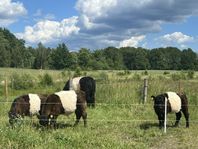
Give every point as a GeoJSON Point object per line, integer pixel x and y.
{"type": "Point", "coordinates": [96, 24]}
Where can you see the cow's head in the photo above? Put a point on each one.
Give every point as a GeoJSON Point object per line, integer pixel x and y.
{"type": "Point", "coordinates": [46, 120]}
{"type": "Point", "coordinates": [159, 101]}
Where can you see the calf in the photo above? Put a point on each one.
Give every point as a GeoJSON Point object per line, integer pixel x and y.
{"type": "Point", "coordinates": [63, 102]}
{"type": "Point", "coordinates": [86, 84]}
{"type": "Point", "coordinates": [176, 103]}
{"type": "Point", "coordinates": [26, 105]}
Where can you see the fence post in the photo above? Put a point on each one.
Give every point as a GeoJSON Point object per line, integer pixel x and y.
{"type": "Point", "coordinates": [6, 89]}
{"type": "Point", "coordinates": [145, 90]}
{"type": "Point", "coordinates": [165, 115]}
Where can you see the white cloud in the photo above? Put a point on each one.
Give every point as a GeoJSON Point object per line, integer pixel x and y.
{"type": "Point", "coordinates": [177, 37]}
{"type": "Point", "coordinates": [117, 20]}
{"type": "Point", "coordinates": [132, 42]}
{"type": "Point", "coordinates": [136, 15]}
{"type": "Point", "coordinates": [49, 31]}
{"type": "Point", "coordinates": [103, 23]}
{"type": "Point", "coordinates": [10, 12]}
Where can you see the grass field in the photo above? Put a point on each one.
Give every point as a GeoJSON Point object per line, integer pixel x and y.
{"type": "Point", "coordinates": [119, 120]}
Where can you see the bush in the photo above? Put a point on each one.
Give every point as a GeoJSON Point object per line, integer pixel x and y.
{"type": "Point", "coordinates": [145, 73]}
{"type": "Point", "coordinates": [123, 73]}
{"type": "Point", "coordinates": [46, 80]}
{"type": "Point", "coordinates": [25, 81]}
{"type": "Point", "coordinates": [166, 72]}
{"type": "Point", "coordinates": [190, 74]}
{"type": "Point", "coordinates": [77, 72]}
{"type": "Point", "coordinates": [136, 77]}
{"type": "Point", "coordinates": [103, 77]}
{"type": "Point", "coordinates": [178, 76]}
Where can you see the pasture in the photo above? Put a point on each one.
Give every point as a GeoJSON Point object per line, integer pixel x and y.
{"type": "Point", "coordinates": [120, 119]}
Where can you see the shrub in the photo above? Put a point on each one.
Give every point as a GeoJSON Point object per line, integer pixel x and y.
{"type": "Point", "coordinates": [25, 81]}
{"type": "Point", "coordinates": [136, 77]}
{"type": "Point", "coordinates": [123, 73]}
{"type": "Point", "coordinates": [190, 74]}
{"type": "Point", "coordinates": [166, 72]}
{"type": "Point", "coordinates": [46, 80]}
{"type": "Point", "coordinates": [145, 73]}
{"type": "Point", "coordinates": [178, 76]}
{"type": "Point", "coordinates": [103, 77]}
{"type": "Point", "coordinates": [77, 72]}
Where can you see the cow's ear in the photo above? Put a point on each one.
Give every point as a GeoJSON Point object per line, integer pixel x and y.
{"type": "Point", "coordinates": [153, 97]}
{"type": "Point", "coordinates": [166, 95]}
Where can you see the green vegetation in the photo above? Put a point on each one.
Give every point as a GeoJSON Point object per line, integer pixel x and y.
{"type": "Point", "coordinates": [119, 119]}
{"type": "Point", "coordinates": [15, 54]}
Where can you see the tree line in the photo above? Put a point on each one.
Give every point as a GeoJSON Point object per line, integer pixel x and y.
{"type": "Point", "coordinates": [14, 53]}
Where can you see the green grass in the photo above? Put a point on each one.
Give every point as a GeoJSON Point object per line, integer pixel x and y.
{"type": "Point", "coordinates": [118, 121]}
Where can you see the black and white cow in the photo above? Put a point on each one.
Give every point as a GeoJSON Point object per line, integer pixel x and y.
{"type": "Point", "coordinates": [86, 84]}
{"type": "Point", "coordinates": [63, 102]}
{"type": "Point", "coordinates": [176, 103]}
{"type": "Point", "coordinates": [26, 105]}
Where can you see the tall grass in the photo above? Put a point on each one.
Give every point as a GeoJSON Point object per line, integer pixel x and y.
{"type": "Point", "coordinates": [118, 121]}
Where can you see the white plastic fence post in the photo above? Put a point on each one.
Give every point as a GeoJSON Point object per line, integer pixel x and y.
{"type": "Point", "coordinates": [145, 90]}
{"type": "Point", "coordinates": [165, 114]}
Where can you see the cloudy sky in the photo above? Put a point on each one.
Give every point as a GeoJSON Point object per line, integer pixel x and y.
{"type": "Point", "coordinates": [96, 24]}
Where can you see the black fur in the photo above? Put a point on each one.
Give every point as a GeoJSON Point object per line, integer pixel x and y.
{"type": "Point", "coordinates": [53, 108]}
{"type": "Point", "coordinates": [21, 107]}
{"type": "Point", "coordinates": [88, 85]}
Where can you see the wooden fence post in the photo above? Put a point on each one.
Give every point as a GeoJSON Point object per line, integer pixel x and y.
{"type": "Point", "coordinates": [145, 90]}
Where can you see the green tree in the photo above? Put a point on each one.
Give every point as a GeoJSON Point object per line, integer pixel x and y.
{"type": "Point", "coordinates": [114, 58]}
{"type": "Point", "coordinates": [173, 58]}
{"type": "Point", "coordinates": [61, 58]}
{"type": "Point", "coordinates": [158, 59]}
{"type": "Point", "coordinates": [5, 57]}
{"type": "Point", "coordinates": [135, 58]}
{"type": "Point", "coordinates": [84, 58]}
{"type": "Point", "coordinates": [41, 57]}
{"type": "Point", "coordinates": [99, 61]}
{"type": "Point", "coordinates": [188, 59]}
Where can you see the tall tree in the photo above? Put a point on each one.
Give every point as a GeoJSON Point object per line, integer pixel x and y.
{"type": "Point", "coordinates": [114, 58]}
{"type": "Point", "coordinates": [5, 57]}
{"type": "Point", "coordinates": [135, 58]}
{"type": "Point", "coordinates": [84, 58]}
{"type": "Point", "coordinates": [188, 59]}
{"type": "Point", "coordinates": [61, 58]}
{"type": "Point", "coordinates": [41, 60]}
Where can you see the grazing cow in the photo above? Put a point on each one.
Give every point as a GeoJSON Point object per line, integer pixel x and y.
{"type": "Point", "coordinates": [175, 103]}
{"type": "Point", "coordinates": [63, 102]}
{"type": "Point", "coordinates": [26, 105]}
{"type": "Point", "coordinates": [86, 84]}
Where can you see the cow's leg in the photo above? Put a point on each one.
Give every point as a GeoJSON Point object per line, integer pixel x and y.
{"type": "Point", "coordinates": [93, 100]}
{"type": "Point", "coordinates": [178, 116]}
{"type": "Point", "coordinates": [88, 99]}
{"type": "Point", "coordinates": [84, 115]}
{"type": "Point", "coordinates": [78, 116]}
{"type": "Point", "coordinates": [161, 120]}
{"type": "Point", "coordinates": [186, 114]}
